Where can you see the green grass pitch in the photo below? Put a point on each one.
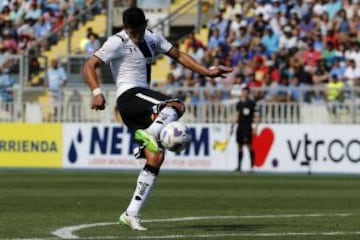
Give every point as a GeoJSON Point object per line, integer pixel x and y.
{"type": "Point", "coordinates": [183, 205]}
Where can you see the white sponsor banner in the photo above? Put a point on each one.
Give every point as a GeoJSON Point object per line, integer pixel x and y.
{"type": "Point", "coordinates": [278, 148]}
{"type": "Point", "coordinates": [109, 146]}
{"type": "Point", "coordinates": [308, 148]}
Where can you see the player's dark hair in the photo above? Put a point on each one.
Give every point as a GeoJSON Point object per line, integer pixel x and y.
{"type": "Point", "coordinates": [134, 17]}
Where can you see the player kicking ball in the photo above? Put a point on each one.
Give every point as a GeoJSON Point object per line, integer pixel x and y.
{"type": "Point", "coordinates": [145, 112]}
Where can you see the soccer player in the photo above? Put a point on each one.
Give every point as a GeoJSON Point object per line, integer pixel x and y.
{"type": "Point", "coordinates": [145, 112]}
{"type": "Point", "coordinates": [247, 121]}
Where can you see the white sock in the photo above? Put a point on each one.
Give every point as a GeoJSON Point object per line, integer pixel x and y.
{"type": "Point", "coordinates": [145, 183]}
{"type": "Point", "coordinates": [166, 115]}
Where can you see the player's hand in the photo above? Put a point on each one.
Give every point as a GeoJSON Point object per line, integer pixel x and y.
{"type": "Point", "coordinates": [219, 71]}
{"type": "Point", "coordinates": [98, 102]}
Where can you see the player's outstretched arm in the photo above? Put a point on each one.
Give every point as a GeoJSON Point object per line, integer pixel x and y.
{"type": "Point", "coordinates": [190, 63]}
{"type": "Point", "coordinates": [92, 80]}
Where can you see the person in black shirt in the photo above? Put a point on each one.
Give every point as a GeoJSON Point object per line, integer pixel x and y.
{"type": "Point", "coordinates": [246, 121]}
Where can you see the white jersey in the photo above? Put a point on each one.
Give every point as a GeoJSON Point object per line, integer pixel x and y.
{"type": "Point", "coordinates": [130, 64]}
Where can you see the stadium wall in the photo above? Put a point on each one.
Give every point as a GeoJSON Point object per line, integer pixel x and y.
{"type": "Point", "coordinates": [279, 148]}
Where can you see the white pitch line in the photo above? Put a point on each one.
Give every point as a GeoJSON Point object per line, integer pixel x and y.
{"type": "Point", "coordinates": [68, 232]}
{"type": "Point", "coordinates": [338, 233]}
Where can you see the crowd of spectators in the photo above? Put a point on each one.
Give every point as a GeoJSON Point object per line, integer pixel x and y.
{"type": "Point", "coordinates": [281, 46]}
{"type": "Point", "coordinates": [25, 24]}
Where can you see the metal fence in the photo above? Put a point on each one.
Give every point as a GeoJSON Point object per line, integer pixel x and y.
{"type": "Point", "coordinates": [73, 105]}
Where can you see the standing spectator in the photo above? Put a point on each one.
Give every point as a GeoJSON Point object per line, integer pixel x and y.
{"type": "Point", "coordinates": [246, 115]}
{"type": "Point", "coordinates": [57, 79]}
{"type": "Point", "coordinates": [334, 93]}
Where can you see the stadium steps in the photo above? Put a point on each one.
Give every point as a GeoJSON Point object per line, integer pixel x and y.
{"type": "Point", "coordinates": [162, 66]}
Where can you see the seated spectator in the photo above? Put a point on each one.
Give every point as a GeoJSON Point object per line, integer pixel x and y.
{"type": "Point", "coordinates": [337, 69]}
{"type": "Point", "coordinates": [17, 13]}
{"type": "Point", "coordinates": [329, 54]}
{"type": "Point", "coordinates": [320, 74]}
{"type": "Point", "coordinates": [296, 90]}
{"type": "Point", "coordinates": [270, 41]}
{"type": "Point", "coordinates": [351, 72]}
{"type": "Point", "coordinates": [177, 71]}
{"type": "Point", "coordinates": [192, 42]}
{"type": "Point", "coordinates": [215, 40]}
{"type": "Point", "coordinates": [310, 56]}
{"type": "Point", "coordinates": [92, 45]}
{"type": "Point", "coordinates": [288, 40]}
{"type": "Point", "coordinates": [34, 12]}
{"type": "Point", "coordinates": [42, 27]}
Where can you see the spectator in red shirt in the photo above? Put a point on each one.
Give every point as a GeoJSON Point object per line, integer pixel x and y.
{"type": "Point", "coordinates": [310, 56]}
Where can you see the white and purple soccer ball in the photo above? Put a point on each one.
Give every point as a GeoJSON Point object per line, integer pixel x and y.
{"type": "Point", "coordinates": [175, 136]}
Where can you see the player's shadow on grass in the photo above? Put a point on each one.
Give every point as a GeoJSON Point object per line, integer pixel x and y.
{"type": "Point", "coordinates": [228, 227]}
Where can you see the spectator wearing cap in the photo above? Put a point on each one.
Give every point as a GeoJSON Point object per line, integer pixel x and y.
{"type": "Point", "coordinates": [270, 40]}
{"type": "Point", "coordinates": [288, 40]}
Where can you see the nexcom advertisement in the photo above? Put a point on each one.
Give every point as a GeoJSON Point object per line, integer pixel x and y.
{"type": "Point", "coordinates": [110, 146]}
{"type": "Point", "coordinates": [308, 148]}
{"type": "Point", "coordinates": [30, 145]}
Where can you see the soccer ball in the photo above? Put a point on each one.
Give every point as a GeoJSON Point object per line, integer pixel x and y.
{"type": "Point", "coordinates": [175, 136]}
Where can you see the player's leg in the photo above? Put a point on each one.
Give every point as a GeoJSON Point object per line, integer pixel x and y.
{"type": "Point", "coordinates": [165, 112]}
{"type": "Point", "coordinates": [145, 182]}
{"type": "Point", "coordinates": [136, 109]}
